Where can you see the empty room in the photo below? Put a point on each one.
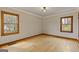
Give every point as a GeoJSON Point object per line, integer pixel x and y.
{"type": "Point", "coordinates": [39, 29]}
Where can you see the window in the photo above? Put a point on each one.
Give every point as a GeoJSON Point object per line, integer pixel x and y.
{"type": "Point", "coordinates": [9, 23]}
{"type": "Point", "coordinates": [66, 24]}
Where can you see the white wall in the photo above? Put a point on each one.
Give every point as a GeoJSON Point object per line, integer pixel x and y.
{"type": "Point", "coordinates": [29, 25]}
{"type": "Point", "coordinates": [51, 24]}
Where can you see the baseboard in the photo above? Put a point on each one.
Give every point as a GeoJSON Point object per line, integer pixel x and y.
{"type": "Point", "coordinates": [16, 41]}
{"type": "Point", "coordinates": [75, 39]}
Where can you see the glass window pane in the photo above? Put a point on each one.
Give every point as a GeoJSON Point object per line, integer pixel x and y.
{"type": "Point", "coordinates": [6, 18]}
{"type": "Point", "coordinates": [12, 20]}
{"type": "Point", "coordinates": [12, 26]}
{"type": "Point", "coordinates": [64, 21]}
{"type": "Point", "coordinates": [6, 28]}
{"type": "Point", "coordinates": [66, 27]}
{"type": "Point", "coordinates": [16, 19]}
{"type": "Point", "coordinates": [16, 28]}
{"type": "Point", "coordinates": [69, 21]}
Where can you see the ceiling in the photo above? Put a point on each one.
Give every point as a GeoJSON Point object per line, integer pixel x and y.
{"type": "Point", "coordinates": [50, 10]}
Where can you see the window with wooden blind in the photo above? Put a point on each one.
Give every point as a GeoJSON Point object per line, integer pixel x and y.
{"type": "Point", "coordinates": [66, 24]}
{"type": "Point", "coordinates": [9, 23]}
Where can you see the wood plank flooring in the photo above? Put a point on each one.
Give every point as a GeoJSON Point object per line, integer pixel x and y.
{"type": "Point", "coordinates": [44, 43]}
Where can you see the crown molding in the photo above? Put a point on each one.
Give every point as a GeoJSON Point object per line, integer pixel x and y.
{"type": "Point", "coordinates": [55, 14]}
{"type": "Point", "coordinates": [25, 11]}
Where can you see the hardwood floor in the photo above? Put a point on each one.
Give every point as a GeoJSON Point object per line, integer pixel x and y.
{"type": "Point", "coordinates": [44, 43]}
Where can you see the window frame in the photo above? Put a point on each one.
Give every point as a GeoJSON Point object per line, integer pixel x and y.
{"type": "Point", "coordinates": [2, 23]}
{"type": "Point", "coordinates": [62, 24]}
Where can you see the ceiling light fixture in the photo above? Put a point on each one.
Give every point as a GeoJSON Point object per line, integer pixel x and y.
{"type": "Point", "coordinates": [44, 9]}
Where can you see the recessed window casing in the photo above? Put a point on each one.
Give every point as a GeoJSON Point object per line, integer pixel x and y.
{"type": "Point", "coordinates": [66, 24]}
{"type": "Point", "coordinates": [9, 23]}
